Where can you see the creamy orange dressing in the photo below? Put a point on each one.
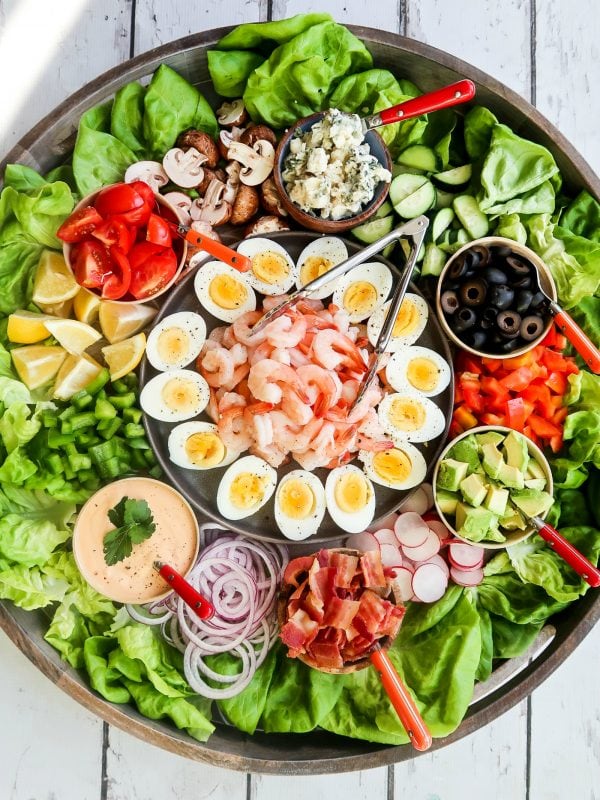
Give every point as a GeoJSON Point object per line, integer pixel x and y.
{"type": "Point", "coordinates": [174, 541]}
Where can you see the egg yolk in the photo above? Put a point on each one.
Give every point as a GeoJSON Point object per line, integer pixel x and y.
{"type": "Point", "coordinates": [226, 292]}
{"type": "Point", "coordinates": [247, 490]}
{"type": "Point", "coordinates": [270, 267]}
{"type": "Point", "coordinates": [393, 466]}
{"type": "Point", "coordinates": [173, 344]}
{"type": "Point", "coordinates": [423, 374]}
{"type": "Point", "coordinates": [204, 449]}
{"type": "Point", "coordinates": [352, 492]}
{"type": "Point", "coordinates": [360, 298]}
{"type": "Point", "coordinates": [314, 267]}
{"type": "Point", "coordinates": [296, 499]}
{"type": "Point", "coordinates": [406, 414]}
{"type": "Point", "coordinates": [179, 394]}
{"type": "Point", "coordinates": [407, 319]}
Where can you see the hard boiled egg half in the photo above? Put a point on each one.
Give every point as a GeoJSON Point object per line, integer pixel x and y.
{"type": "Point", "coordinates": [408, 416]}
{"type": "Point", "coordinates": [246, 486]}
{"type": "Point", "coordinates": [401, 467]}
{"type": "Point", "coordinates": [409, 325]}
{"type": "Point", "coordinates": [299, 505]}
{"type": "Point", "coordinates": [418, 369]}
{"type": "Point", "coordinates": [176, 340]}
{"type": "Point", "coordinates": [223, 291]}
{"type": "Point", "coordinates": [316, 259]}
{"type": "Point", "coordinates": [273, 270]}
{"type": "Point", "coordinates": [350, 498]}
{"type": "Point", "coordinates": [175, 395]}
{"type": "Point", "coordinates": [362, 290]}
{"type": "Point", "coordinates": [197, 445]}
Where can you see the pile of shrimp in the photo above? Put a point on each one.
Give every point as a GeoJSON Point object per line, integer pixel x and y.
{"type": "Point", "coordinates": [287, 391]}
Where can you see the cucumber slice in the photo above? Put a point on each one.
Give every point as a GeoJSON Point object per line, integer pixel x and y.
{"type": "Point", "coordinates": [402, 169]}
{"type": "Point", "coordinates": [441, 221]}
{"type": "Point", "coordinates": [419, 157]}
{"type": "Point", "coordinates": [384, 209]}
{"type": "Point", "coordinates": [387, 251]}
{"type": "Point", "coordinates": [411, 195]}
{"type": "Point", "coordinates": [452, 240]}
{"type": "Point", "coordinates": [373, 230]}
{"type": "Point", "coordinates": [473, 219]}
{"type": "Point", "coordinates": [443, 199]}
{"type": "Point", "coordinates": [456, 176]}
{"type": "Point", "coordinates": [434, 260]}
{"type": "Point", "coordinates": [406, 248]}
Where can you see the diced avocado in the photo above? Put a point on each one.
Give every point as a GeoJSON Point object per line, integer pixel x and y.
{"type": "Point", "coordinates": [534, 470]}
{"type": "Point", "coordinates": [513, 519]}
{"type": "Point", "coordinates": [460, 515]}
{"type": "Point", "coordinates": [451, 473]}
{"type": "Point", "coordinates": [447, 501]}
{"type": "Point", "coordinates": [511, 477]}
{"type": "Point", "coordinates": [493, 460]}
{"type": "Point", "coordinates": [466, 450]}
{"type": "Point", "coordinates": [516, 452]}
{"type": "Point", "coordinates": [478, 524]}
{"type": "Point", "coordinates": [496, 500]}
{"type": "Point", "coordinates": [535, 483]}
{"type": "Point", "coordinates": [489, 437]}
{"type": "Point", "coordinates": [473, 489]}
{"type": "Point", "coordinates": [532, 501]}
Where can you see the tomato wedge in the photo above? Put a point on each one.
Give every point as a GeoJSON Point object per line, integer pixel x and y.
{"type": "Point", "coordinates": [124, 203]}
{"type": "Point", "coordinates": [158, 231]}
{"type": "Point", "coordinates": [91, 264]}
{"type": "Point", "coordinates": [115, 232]}
{"type": "Point", "coordinates": [146, 191]}
{"type": "Point", "coordinates": [79, 225]}
{"type": "Point", "coordinates": [152, 267]}
{"type": "Point", "coordinates": [117, 285]}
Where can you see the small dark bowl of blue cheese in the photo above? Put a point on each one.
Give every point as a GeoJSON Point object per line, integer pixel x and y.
{"type": "Point", "coordinates": [330, 174]}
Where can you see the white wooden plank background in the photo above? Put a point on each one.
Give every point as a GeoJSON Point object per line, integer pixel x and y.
{"type": "Point", "coordinates": [546, 748]}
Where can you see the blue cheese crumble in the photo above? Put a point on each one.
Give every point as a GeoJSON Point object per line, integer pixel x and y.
{"type": "Point", "coordinates": [330, 170]}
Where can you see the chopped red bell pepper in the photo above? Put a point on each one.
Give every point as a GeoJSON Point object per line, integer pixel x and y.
{"type": "Point", "coordinates": [557, 382]}
{"type": "Point", "coordinates": [515, 413]}
{"type": "Point", "coordinates": [543, 427]}
{"type": "Point", "coordinates": [465, 418]}
{"type": "Point", "coordinates": [519, 379]}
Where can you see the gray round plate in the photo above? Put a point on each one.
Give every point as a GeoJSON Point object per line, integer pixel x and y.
{"type": "Point", "coordinates": [200, 486]}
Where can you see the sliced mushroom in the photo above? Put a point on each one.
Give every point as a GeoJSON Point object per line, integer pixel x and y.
{"type": "Point", "coordinates": [245, 205]}
{"type": "Point", "coordinates": [213, 209]}
{"type": "Point", "coordinates": [233, 181]}
{"type": "Point", "coordinates": [267, 224]}
{"type": "Point", "coordinates": [184, 168]}
{"type": "Point", "coordinates": [230, 114]}
{"type": "Point", "coordinates": [253, 133]}
{"type": "Point", "coordinates": [181, 203]}
{"type": "Point", "coordinates": [257, 161]}
{"type": "Point", "coordinates": [271, 199]}
{"type": "Point", "coordinates": [203, 143]}
{"type": "Point", "coordinates": [209, 175]}
{"type": "Point", "coordinates": [151, 172]}
{"type": "Point", "coordinates": [226, 138]}
{"type": "Point", "coordinates": [200, 255]}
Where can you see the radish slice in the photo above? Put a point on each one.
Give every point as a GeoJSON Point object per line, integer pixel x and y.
{"type": "Point", "coordinates": [429, 582]}
{"type": "Point", "coordinates": [428, 489]}
{"type": "Point", "coordinates": [390, 555]}
{"type": "Point", "coordinates": [417, 502]}
{"type": "Point", "coordinates": [386, 522]}
{"type": "Point", "coordinates": [408, 564]}
{"type": "Point", "coordinates": [410, 530]}
{"type": "Point", "coordinates": [462, 577]}
{"type": "Point", "coordinates": [436, 560]}
{"type": "Point", "coordinates": [431, 516]}
{"type": "Point", "coordinates": [430, 547]}
{"type": "Point", "coordinates": [440, 530]}
{"type": "Point", "coordinates": [402, 585]}
{"type": "Point", "coordinates": [465, 556]}
{"type": "Point", "coordinates": [363, 542]}
{"type": "Point", "coordinates": [386, 536]}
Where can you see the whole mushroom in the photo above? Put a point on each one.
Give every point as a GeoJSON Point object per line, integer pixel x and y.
{"type": "Point", "coordinates": [213, 209]}
{"type": "Point", "coordinates": [184, 167]}
{"type": "Point", "coordinates": [151, 172]}
{"type": "Point", "coordinates": [210, 175]}
{"type": "Point", "coordinates": [226, 138]}
{"type": "Point", "coordinates": [203, 143]}
{"type": "Point", "coordinates": [271, 199]}
{"type": "Point", "coordinates": [245, 205]}
{"type": "Point", "coordinates": [232, 114]}
{"type": "Point", "coordinates": [257, 161]}
{"type": "Point", "coordinates": [254, 133]}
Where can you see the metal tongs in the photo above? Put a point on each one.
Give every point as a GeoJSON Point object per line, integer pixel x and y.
{"type": "Point", "coordinates": [416, 229]}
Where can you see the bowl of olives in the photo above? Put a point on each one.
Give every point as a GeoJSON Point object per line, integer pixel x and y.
{"type": "Point", "coordinates": [492, 298]}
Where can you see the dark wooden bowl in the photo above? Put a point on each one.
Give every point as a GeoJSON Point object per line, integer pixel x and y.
{"type": "Point", "coordinates": [312, 221]}
{"type": "Point", "coordinates": [45, 147]}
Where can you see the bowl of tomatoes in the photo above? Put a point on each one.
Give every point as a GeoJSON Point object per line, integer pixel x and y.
{"type": "Point", "coordinates": [120, 243]}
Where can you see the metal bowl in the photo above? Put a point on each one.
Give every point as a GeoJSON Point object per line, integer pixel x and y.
{"type": "Point", "coordinates": [45, 147]}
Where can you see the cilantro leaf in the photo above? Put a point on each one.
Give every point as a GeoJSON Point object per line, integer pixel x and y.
{"type": "Point", "coordinates": [133, 523]}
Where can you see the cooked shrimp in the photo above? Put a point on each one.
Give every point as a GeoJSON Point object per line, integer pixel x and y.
{"type": "Point", "coordinates": [309, 306]}
{"type": "Point", "coordinates": [217, 367]}
{"type": "Point", "coordinates": [322, 387]}
{"type": "Point", "coordinates": [259, 353]}
{"type": "Point", "coordinates": [294, 408]}
{"type": "Point", "coordinates": [285, 332]}
{"type": "Point", "coordinates": [332, 349]}
{"type": "Point", "coordinates": [281, 355]}
{"type": "Point", "coordinates": [233, 429]}
{"type": "Point", "coordinates": [242, 329]}
{"type": "Point", "coordinates": [230, 400]}
{"type": "Point", "coordinates": [267, 378]}
{"type": "Point", "coordinates": [375, 445]}
{"type": "Point", "coordinates": [308, 459]}
{"type": "Point", "coordinates": [298, 358]}
{"type": "Point", "coordinates": [272, 454]}
{"type": "Point", "coordinates": [218, 334]}
{"type": "Point", "coordinates": [273, 301]}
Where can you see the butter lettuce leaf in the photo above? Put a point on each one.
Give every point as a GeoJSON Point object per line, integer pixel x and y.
{"type": "Point", "coordinates": [582, 217]}
{"type": "Point", "coordinates": [230, 69]}
{"type": "Point", "coordinates": [256, 34]}
{"type": "Point", "coordinates": [479, 126]}
{"type": "Point", "coordinates": [127, 117]}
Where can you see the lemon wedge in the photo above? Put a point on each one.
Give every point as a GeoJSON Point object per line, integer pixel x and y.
{"type": "Point", "coordinates": [73, 335]}
{"type": "Point", "coordinates": [37, 364]}
{"type": "Point", "coordinates": [62, 310]}
{"type": "Point", "coordinates": [86, 306]}
{"type": "Point", "coordinates": [118, 321]}
{"type": "Point", "coordinates": [27, 327]}
{"type": "Point", "coordinates": [54, 282]}
{"type": "Point", "coordinates": [123, 357]}
{"type": "Point", "coordinates": [75, 374]}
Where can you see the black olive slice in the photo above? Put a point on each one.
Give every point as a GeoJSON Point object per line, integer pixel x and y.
{"type": "Point", "coordinates": [476, 339]}
{"type": "Point", "coordinates": [449, 302]}
{"type": "Point", "coordinates": [523, 300]}
{"type": "Point", "coordinates": [458, 267]}
{"type": "Point", "coordinates": [501, 296]}
{"type": "Point", "coordinates": [523, 282]}
{"type": "Point", "coordinates": [531, 327]}
{"type": "Point", "coordinates": [464, 319]}
{"type": "Point", "coordinates": [480, 255]}
{"type": "Point", "coordinates": [538, 300]}
{"type": "Point", "coordinates": [494, 275]}
{"type": "Point", "coordinates": [503, 251]}
{"type": "Point", "coordinates": [518, 266]}
{"type": "Point", "coordinates": [508, 323]}
{"type": "Point", "coordinates": [472, 292]}
{"type": "Point", "coordinates": [508, 345]}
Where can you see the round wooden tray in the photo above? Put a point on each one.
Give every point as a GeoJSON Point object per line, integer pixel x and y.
{"type": "Point", "coordinates": [43, 148]}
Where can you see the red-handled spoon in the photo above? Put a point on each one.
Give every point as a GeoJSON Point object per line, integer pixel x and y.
{"type": "Point", "coordinates": [203, 608]}
{"type": "Point", "coordinates": [566, 551]}
{"type": "Point", "coordinates": [446, 97]}
{"type": "Point", "coordinates": [402, 701]}
{"type": "Point", "coordinates": [217, 249]}
{"type": "Point", "coordinates": [580, 341]}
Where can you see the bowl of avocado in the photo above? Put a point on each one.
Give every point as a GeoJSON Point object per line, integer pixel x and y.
{"type": "Point", "coordinates": [488, 483]}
